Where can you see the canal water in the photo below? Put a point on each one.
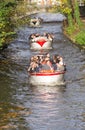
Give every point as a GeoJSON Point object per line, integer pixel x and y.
{"type": "Point", "coordinates": [25, 107]}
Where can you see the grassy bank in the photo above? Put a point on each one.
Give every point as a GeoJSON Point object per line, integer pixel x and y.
{"type": "Point", "coordinates": [76, 34]}
{"type": "Point", "coordinates": [74, 26]}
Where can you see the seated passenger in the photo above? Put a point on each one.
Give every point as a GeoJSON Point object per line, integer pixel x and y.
{"type": "Point", "coordinates": [34, 65]}
{"type": "Point", "coordinates": [60, 64]}
{"type": "Point", "coordinates": [49, 37]}
{"type": "Point", "coordinates": [47, 65]}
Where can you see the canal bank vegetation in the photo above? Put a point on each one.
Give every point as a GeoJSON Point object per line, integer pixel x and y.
{"type": "Point", "coordinates": [12, 15]}
{"type": "Point", "coordinates": [74, 27]}
{"type": "Point", "coordinates": [6, 24]}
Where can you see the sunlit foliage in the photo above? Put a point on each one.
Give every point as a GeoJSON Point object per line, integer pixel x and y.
{"type": "Point", "coordinates": [12, 14]}
{"type": "Point", "coordinates": [6, 24]}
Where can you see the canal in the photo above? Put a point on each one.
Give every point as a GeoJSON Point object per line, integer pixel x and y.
{"type": "Point", "coordinates": [25, 107]}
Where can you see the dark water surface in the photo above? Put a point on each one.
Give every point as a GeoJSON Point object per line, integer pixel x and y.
{"type": "Point", "coordinates": [24, 107]}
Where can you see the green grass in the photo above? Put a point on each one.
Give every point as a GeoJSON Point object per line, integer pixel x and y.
{"type": "Point", "coordinates": [80, 38]}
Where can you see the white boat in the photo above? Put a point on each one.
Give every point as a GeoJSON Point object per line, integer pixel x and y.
{"type": "Point", "coordinates": [41, 43]}
{"type": "Point", "coordinates": [47, 79]}
{"type": "Point", "coordinates": [35, 22]}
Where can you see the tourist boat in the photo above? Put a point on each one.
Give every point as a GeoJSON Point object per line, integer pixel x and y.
{"type": "Point", "coordinates": [35, 22]}
{"type": "Point", "coordinates": [47, 78]}
{"type": "Point", "coordinates": [41, 43]}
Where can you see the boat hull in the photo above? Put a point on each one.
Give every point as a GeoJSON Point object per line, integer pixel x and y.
{"type": "Point", "coordinates": [36, 46]}
{"type": "Point", "coordinates": [47, 79]}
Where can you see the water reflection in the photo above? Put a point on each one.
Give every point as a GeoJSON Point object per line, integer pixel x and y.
{"type": "Point", "coordinates": [45, 105]}
{"type": "Point", "coordinates": [46, 92]}
{"type": "Point", "coordinates": [11, 113]}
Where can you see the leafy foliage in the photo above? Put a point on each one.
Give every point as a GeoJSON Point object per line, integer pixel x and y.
{"type": "Point", "coordinates": [71, 10]}
{"type": "Point", "coordinates": [6, 24]}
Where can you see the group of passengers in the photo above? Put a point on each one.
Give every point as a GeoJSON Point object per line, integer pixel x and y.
{"type": "Point", "coordinates": [35, 20]}
{"type": "Point", "coordinates": [35, 36]}
{"type": "Point", "coordinates": [46, 63]}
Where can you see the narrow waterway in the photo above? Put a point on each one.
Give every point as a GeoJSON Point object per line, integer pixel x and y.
{"type": "Point", "coordinates": [24, 107]}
